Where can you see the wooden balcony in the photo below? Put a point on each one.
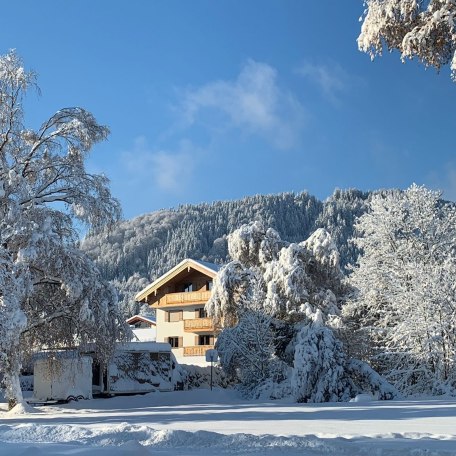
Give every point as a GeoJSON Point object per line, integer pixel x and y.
{"type": "Point", "coordinates": [197, 350]}
{"type": "Point", "coordinates": [199, 324]}
{"type": "Point", "coordinates": [183, 299]}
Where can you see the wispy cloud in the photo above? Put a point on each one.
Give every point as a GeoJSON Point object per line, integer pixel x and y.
{"type": "Point", "coordinates": [166, 170]}
{"type": "Point", "coordinates": [444, 180]}
{"type": "Point", "coordinates": [331, 78]}
{"type": "Point", "coordinates": [254, 103]}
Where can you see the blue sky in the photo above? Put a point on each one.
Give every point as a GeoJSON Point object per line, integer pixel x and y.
{"type": "Point", "coordinates": [210, 100]}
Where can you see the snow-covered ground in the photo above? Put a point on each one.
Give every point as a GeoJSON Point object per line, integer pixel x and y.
{"type": "Point", "coordinates": [203, 422]}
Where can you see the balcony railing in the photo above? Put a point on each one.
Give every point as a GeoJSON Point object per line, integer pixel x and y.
{"type": "Point", "coordinates": [185, 298]}
{"type": "Point", "coordinates": [197, 350]}
{"type": "Point", "coordinates": [199, 324]}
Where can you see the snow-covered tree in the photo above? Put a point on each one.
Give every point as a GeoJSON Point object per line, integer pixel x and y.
{"type": "Point", "coordinates": [278, 306]}
{"type": "Point", "coordinates": [417, 28]}
{"type": "Point", "coordinates": [322, 376]}
{"type": "Point", "coordinates": [12, 322]}
{"type": "Point", "coordinates": [248, 348]}
{"type": "Point", "coordinates": [406, 294]}
{"type": "Point", "coordinates": [51, 294]}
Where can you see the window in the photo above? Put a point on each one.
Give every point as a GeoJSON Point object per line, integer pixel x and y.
{"type": "Point", "coordinates": [209, 285]}
{"type": "Point", "coordinates": [187, 287]}
{"type": "Point", "coordinates": [173, 316]}
{"type": "Point", "coordinates": [141, 324]}
{"type": "Point", "coordinates": [200, 313]}
{"type": "Point", "coordinates": [175, 341]}
{"type": "Point", "coordinates": [206, 339]}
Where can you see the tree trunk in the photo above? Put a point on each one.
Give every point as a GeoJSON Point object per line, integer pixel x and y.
{"type": "Point", "coordinates": [13, 389]}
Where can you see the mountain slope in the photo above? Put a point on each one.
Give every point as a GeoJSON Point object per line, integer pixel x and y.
{"type": "Point", "coordinates": [135, 252]}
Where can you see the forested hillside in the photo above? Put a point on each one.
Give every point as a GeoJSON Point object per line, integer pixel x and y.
{"type": "Point", "coordinates": [137, 251]}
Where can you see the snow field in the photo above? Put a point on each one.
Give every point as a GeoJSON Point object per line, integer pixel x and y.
{"type": "Point", "coordinates": [202, 422]}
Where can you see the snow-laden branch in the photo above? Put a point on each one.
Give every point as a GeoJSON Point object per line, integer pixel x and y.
{"type": "Point", "coordinates": [418, 29]}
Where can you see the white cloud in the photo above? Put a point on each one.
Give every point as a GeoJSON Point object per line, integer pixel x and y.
{"type": "Point", "coordinates": [331, 78]}
{"type": "Point", "coordinates": [254, 103]}
{"type": "Point", "coordinates": [169, 171]}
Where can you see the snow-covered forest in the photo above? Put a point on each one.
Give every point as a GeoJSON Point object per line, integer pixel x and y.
{"type": "Point", "coordinates": [359, 281]}
{"type": "Point", "coordinates": [134, 252]}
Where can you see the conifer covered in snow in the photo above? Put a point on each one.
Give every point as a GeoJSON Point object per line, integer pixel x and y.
{"type": "Point", "coordinates": [278, 307]}
{"type": "Point", "coordinates": [51, 294]}
{"type": "Point", "coordinates": [405, 304]}
{"type": "Point", "coordinates": [421, 29]}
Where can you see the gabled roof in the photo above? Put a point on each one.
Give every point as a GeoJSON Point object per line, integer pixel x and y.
{"type": "Point", "coordinates": [209, 269]}
{"type": "Point", "coordinates": [136, 318]}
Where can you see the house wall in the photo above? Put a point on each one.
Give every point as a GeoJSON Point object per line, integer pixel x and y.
{"type": "Point", "coordinates": [167, 329]}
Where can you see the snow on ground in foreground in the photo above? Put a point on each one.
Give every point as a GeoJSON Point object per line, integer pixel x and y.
{"type": "Point", "coordinates": [218, 422]}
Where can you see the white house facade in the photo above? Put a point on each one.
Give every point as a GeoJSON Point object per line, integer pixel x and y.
{"type": "Point", "coordinates": [179, 297]}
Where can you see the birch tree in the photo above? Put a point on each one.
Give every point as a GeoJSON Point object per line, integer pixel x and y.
{"type": "Point", "coordinates": [406, 292]}
{"type": "Point", "coordinates": [50, 293]}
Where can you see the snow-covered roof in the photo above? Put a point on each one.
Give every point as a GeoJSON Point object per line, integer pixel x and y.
{"type": "Point", "coordinates": [210, 269]}
{"type": "Point", "coordinates": [154, 347]}
{"type": "Point", "coordinates": [144, 318]}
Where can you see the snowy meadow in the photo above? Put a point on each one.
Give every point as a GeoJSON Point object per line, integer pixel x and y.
{"type": "Point", "coordinates": [208, 422]}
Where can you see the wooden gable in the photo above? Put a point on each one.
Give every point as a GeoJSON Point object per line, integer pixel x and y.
{"type": "Point", "coordinates": [176, 279]}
